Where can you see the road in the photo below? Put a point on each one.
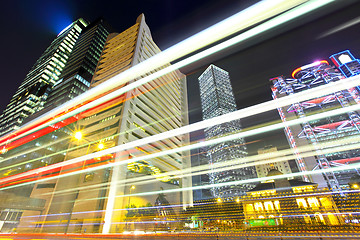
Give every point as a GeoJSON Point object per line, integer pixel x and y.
{"type": "Point", "coordinates": [186, 236]}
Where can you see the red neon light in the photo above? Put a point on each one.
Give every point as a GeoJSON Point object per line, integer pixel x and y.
{"type": "Point", "coordinates": [331, 125]}
{"type": "Point", "coordinates": [346, 160]}
{"type": "Point", "coordinates": [64, 123]}
{"type": "Point", "coordinates": [308, 66]}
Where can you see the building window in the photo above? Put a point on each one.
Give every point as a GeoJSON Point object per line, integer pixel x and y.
{"type": "Point", "coordinates": [269, 206]}
{"type": "Point", "coordinates": [313, 202]}
{"type": "Point", "coordinates": [301, 203]}
{"type": "Point", "coordinates": [258, 206]}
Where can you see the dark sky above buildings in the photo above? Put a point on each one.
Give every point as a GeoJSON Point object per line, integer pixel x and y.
{"type": "Point", "coordinates": [28, 27]}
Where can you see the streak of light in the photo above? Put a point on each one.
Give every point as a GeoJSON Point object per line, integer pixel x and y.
{"type": "Point", "coordinates": [251, 16]}
{"type": "Point", "coordinates": [279, 156]}
{"type": "Point", "coordinates": [339, 28]}
{"type": "Point", "coordinates": [245, 162]}
{"type": "Point", "coordinates": [250, 111]}
{"type": "Point", "coordinates": [284, 176]}
{"type": "Point", "coordinates": [253, 31]}
{"type": "Point", "coordinates": [170, 151]}
{"type": "Point", "coordinates": [257, 30]}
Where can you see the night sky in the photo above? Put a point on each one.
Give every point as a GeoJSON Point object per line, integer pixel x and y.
{"type": "Point", "coordinates": [28, 27]}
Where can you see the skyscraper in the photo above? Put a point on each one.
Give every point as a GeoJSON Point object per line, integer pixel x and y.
{"type": "Point", "coordinates": [147, 110]}
{"type": "Point", "coordinates": [217, 98]}
{"type": "Point", "coordinates": [327, 133]}
{"type": "Point", "coordinates": [80, 68]}
{"type": "Point", "coordinates": [34, 90]}
{"type": "Point", "coordinates": [74, 79]}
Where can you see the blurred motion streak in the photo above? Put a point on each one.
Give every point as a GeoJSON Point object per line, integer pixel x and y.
{"type": "Point", "coordinates": [116, 161]}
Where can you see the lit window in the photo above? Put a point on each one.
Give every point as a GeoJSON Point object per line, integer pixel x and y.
{"type": "Point", "coordinates": [301, 203]}
{"type": "Point", "coordinates": [313, 202]}
{"type": "Point", "coordinates": [269, 206]}
{"type": "Point", "coordinates": [258, 206]}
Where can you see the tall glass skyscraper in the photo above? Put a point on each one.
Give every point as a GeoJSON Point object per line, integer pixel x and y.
{"type": "Point", "coordinates": [78, 72]}
{"type": "Point", "coordinates": [74, 79]}
{"type": "Point", "coordinates": [34, 90]}
{"type": "Point", "coordinates": [217, 98]}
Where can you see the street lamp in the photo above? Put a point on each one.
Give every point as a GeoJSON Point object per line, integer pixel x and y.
{"type": "Point", "coordinates": [78, 135]}
{"type": "Point", "coordinates": [100, 146]}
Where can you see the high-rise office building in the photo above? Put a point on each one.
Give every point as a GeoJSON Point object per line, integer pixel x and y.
{"type": "Point", "coordinates": [74, 79]}
{"type": "Point", "coordinates": [80, 68]}
{"type": "Point", "coordinates": [217, 98]}
{"type": "Point", "coordinates": [34, 90]}
{"type": "Point", "coordinates": [155, 107]}
{"type": "Point", "coordinates": [327, 133]}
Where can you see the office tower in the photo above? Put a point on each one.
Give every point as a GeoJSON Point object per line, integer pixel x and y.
{"type": "Point", "coordinates": [217, 99]}
{"type": "Point", "coordinates": [322, 134]}
{"type": "Point", "coordinates": [80, 68]}
{"type": "Point", "coordinates": [74, 79]}
{"type": "Point", "coordinates": [155, 107]}
{"type": "Point", "coordinates": [33, 91]}
{"type": "Point", "coordinates": [269, 153]}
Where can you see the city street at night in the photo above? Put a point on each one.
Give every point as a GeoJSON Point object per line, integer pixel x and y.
{"type": "Point", "coordinates": [180, 120]}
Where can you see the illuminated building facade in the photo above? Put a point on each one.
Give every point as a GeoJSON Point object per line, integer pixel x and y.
{"type": "Point", "coordinates": [327, 131]}
{"type": "Point", "coordinates": [80, 68]}
{"type": "Point", "coordinates": [267, 153]}
{"type": "Point", "coordinates": [217, 98]}
{"type": "Point", "coordinates": [34, 90]}
{"type": "Point", "coordinates": [289, 203]}
{"type": "Point", "coordinates": [74, 79]}
{"type": "Point", "coordinates": [155, 107]}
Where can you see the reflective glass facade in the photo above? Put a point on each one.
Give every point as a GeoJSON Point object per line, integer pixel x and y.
{"type": "Point", "coordinates": [34, 90]}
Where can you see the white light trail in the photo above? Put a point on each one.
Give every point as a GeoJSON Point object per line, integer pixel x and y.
{"type": "Point", "coordinates": [175, 150]}
{"type": "Point", "coordinates": [250, 111]}
{"type": "Point", "coordinates": [340, 145]}
{"type": "Point", "coordinates": [340, 27]}
{"type": "Point", "coordinates": [312, 93]}
{"type": "Point", "coordinates": [253, 32]}
{"type": "Point", "coordinates": [246, 18]}
{"type": "Point", "coordinates": [283, 176]}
